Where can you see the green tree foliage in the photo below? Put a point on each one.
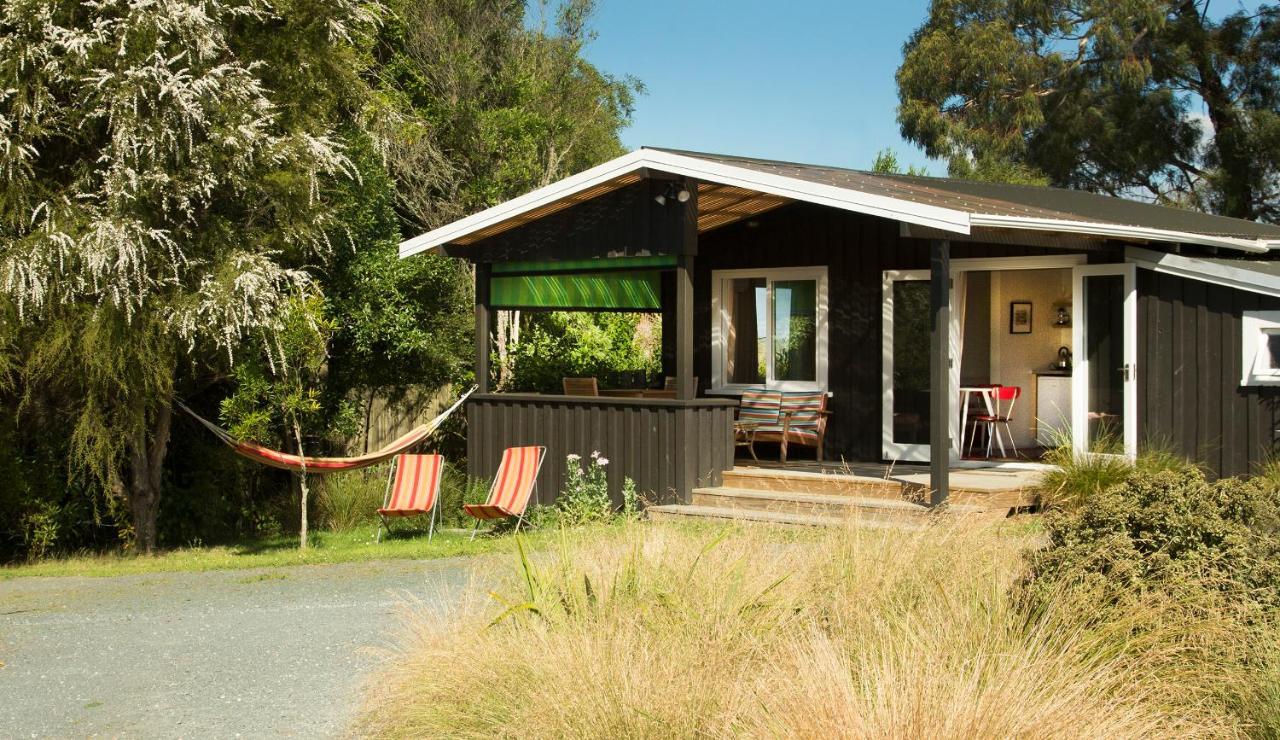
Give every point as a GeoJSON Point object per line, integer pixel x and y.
{"type": "Point", "coordinates": [178, 178]}
{"type": "Point", "coordinates": [1102, 96]}
{"type": "Point", "coordinates": [556, 345]}
{"type": "Point", "coordinates": [488, 105]}
{"type": "Point", "coordinates": [165, 171]}
{"type": "Point", "coordinates": [886, 163]}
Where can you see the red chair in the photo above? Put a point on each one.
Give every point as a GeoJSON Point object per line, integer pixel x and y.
{"type": "Point", "coordinates": [1000, 416]}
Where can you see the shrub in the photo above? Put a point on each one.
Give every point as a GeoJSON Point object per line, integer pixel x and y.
{"type": "Point", "coordinates": [348, 500]}
{"type": "Point", "coordinates": [457, 489]}
{"type": "Point", "coordinates": [1169, 527]}
{"type": "Point", "coordinates": [585, 498]}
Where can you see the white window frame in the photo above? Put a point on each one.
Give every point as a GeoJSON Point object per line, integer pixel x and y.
{"type": "Point", "coordinates": [1255, 326]}
{"type": "Point", "coordinates": [720, 323]}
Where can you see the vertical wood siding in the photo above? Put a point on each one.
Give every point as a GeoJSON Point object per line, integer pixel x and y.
{"type": "Point", "coordinates": [1189, 395]}
{"type": "Point", "coordinates": [667, 447]}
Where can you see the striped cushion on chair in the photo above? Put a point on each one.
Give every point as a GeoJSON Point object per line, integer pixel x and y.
{"type": "Point", "coordinates": [760, 406]}
{"type": "Point", "coordinates": [804, 409]}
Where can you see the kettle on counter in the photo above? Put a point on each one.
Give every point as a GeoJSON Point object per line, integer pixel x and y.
{"type": "Point", "coordinates": [1064, 358]}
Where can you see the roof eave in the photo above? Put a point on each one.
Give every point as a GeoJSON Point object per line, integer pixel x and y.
{"type": "Point", "coordinates": [946, 219]}
{"type": "Point", "coordinates": [1120, 231]}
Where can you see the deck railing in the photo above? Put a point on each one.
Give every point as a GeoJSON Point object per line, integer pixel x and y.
{"type": "Point", "coordinates": [667, 446]}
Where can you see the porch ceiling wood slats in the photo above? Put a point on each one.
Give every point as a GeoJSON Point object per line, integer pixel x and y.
{"type": "Point", "coordinates": [550, 208]}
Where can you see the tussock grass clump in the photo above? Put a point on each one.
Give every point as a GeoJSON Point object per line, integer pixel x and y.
{"type": "Point", "coordinates": [1077, 478]}
{"type": "Point", "coordinates": [662, 630]}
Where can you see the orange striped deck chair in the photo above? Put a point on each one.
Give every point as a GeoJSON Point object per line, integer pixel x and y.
{"type": "Point", "coordinates": [413, 487]}
{"type": "Point", "coordinates": [515, 482]}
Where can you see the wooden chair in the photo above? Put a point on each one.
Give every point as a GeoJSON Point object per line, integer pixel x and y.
{"type": "Point", "coordinates": [759, 408]}
{"type": "Point", "coordinates": [802, 420]}
{"type": "Point", "coordinates": [513, 486]}
{"type": "Point", "coordinates": [581, 387]}
{"type": "Point", "coordinates": [669, 384]}
{"type": "Point", "coordinates": [413, 488]}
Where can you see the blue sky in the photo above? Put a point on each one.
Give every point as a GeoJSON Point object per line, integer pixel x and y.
{"type": "Point", "coordinates": [806, 80]}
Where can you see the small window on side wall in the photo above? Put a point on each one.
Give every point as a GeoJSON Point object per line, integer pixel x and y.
{"type": "Point", "coordinates": [1260, 348]}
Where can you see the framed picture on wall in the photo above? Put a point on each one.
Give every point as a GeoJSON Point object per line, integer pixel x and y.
{"type": "Point", "coordinates": [1020, 317]}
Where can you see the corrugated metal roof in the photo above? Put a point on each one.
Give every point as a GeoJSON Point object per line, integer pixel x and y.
{"type": "Point", "coordinates": [999, 199]}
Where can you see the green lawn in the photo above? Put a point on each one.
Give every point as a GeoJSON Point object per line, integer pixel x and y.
{"type": "Point", "coordinates": [326, 547]}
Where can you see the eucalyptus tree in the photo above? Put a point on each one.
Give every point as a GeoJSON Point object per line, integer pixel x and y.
{"type": "Point", "coordinates": [166, 172]}
{"type": "Point", "coordinates": [1104, 96]}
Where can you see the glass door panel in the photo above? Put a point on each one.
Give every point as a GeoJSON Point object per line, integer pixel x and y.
{"type": "Point", "coordinates": [795, 340]}
{"type": "Point", "coordinates": [747, 331]}
{"type": "Point", "coordinates": [905, 428]}
{"type": "Point", "coordinates": [1103, 385]}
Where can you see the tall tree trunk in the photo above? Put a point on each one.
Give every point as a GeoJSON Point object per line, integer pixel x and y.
{"type": "Point", "coordinates": [146, 467]}
{"type": "Point", "coordinates": [302, 481]}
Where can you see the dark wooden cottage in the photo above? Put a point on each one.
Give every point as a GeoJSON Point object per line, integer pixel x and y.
{"type": "Point", "coordinates": [902, 298]}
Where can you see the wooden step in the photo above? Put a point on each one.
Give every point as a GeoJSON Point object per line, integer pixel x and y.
{"type": "Point", "coordinates": [759, 479]}
{"type": "Point", "coordinates": [687, 512]}
{"type": "Point", "coordinates": [817, 504]}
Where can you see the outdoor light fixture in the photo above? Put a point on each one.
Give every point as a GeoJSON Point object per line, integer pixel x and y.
{"type": "Point", "coordinates": [680, 194]}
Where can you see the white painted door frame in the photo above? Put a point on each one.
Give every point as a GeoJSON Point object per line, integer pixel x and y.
{"type": "Point", "coordinates": [1080, 374]}
{"type": "Point", "coordinates": [890, 449]}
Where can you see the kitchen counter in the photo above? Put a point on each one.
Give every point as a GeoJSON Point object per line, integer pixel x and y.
{"type": "Point", "coordinates": [1051, 372]}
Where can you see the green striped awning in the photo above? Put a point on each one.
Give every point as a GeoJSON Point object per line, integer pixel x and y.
{"type": "Point", "coordinates": [617, 291]}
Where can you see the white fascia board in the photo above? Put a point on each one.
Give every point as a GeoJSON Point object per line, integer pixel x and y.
{"type": "Point", "coordinates": [1206, 272]}
{"type": "Point", "coordinates": [1122, 232]}
{"type": "Point", "coordinates": [530, 201]}
{"type": "Point", "coordinates": [945, 219]}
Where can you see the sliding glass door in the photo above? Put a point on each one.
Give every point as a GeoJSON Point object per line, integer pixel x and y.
{"type": "Point", "coordinates": [1104, 383]}
{"type": "Point", "coordinates": [905, 351]}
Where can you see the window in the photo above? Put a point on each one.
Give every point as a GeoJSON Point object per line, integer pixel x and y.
{"type": "Point", "coordinates": [770, 328]}
{"type": "Point", "coordinates": [1260, 348]}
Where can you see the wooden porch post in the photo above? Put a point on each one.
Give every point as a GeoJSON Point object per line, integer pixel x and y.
{"type": "Point", "coordinates": [685, 389]}
{"type": "Point", "coordinates": [939, 369]}
{"type": "Point", "coordinates": [483, 327]}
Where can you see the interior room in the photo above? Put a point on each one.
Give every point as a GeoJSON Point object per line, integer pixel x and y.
{"type": "Point", "coordinates": [1014, 328]}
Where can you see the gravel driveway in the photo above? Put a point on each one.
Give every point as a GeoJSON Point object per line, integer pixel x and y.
{"type": "Point", "coordinates": [219, 654]}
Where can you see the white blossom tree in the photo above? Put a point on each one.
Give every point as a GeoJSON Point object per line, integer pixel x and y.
{"type": "Point", "coordinates": [163, 185]}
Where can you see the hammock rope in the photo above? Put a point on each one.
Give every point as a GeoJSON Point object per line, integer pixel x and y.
{"type": "Point", "coordinates": [321, 465]}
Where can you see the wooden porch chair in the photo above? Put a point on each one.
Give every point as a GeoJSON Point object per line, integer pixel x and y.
{"type": "Point", "coordinates": [581, 387]}
{"type": "Point", "coordinates": [802, 421]}
{"type": "Point", "coordinates": [413, 488]}
{"type": "Point", "coordinates": [669, 384]}
{"type": "Point", "coordinates": [513, 485]}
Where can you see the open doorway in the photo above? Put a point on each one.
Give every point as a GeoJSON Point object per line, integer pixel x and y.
{"type": "Point", "coordinates": [1013, 331]}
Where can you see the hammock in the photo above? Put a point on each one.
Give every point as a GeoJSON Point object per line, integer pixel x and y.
{"type": "Point", "coordinates": [285, 461]}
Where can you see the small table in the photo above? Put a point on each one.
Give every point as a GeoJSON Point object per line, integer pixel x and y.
{"type": "Point", "coordinates": [988, 399]}
{"type": "Point", "coordinates": [744, 435]}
